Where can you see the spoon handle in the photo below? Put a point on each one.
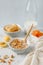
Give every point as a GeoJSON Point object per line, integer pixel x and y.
{"type": "Point", "coordinates": [28, 32]}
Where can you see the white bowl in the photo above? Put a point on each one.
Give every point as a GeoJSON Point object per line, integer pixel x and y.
{"type": "Point", "coordinates": [18, 50]}
{"type": "Point", "coordinates": [13, 34]}
{"type": "Point", "coordinates": [34, 38]}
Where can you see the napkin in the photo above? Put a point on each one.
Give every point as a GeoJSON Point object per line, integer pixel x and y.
{"type": "Point", "coordinates": [35, 57]}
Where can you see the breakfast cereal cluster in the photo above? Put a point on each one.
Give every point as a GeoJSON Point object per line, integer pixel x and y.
{"type": "Point", "coordinates": [17, 44]}
{"type": "Point", "coordinates": [7, 59]}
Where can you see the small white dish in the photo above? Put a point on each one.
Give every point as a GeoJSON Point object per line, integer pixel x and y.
{"type": "Point", "coordinates": [35, 39]}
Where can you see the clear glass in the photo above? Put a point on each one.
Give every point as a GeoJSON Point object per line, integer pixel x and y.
{"type": "Point", "coordinates": [34, 12]}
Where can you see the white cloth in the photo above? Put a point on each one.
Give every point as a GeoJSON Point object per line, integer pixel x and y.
{"type": "Point", "coordinates": [36, 57]}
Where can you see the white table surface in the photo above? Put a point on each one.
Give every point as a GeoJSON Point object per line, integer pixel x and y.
{"type": "Point", "coordinates": [3, 51]}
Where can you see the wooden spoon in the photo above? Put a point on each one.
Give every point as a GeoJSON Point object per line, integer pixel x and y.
{"type": "Point", "coordinates": [28, 32]}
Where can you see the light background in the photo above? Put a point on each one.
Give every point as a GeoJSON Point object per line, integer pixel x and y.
{"type": "Point", "coordinates": [14, 11]}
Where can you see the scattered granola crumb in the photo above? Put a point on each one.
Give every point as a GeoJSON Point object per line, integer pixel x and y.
{"type": "Point", "coordinates": [2, 60]}
{"type": "Point", "coordinates": [12, 56]}
{"type": "Point", "coordinates": [6, 57]}
{"type": "Point", "coordinates": [9, 62]}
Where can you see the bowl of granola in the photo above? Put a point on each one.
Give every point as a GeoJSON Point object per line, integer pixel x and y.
{"type": "Point", "coordinates": [17, 45]}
